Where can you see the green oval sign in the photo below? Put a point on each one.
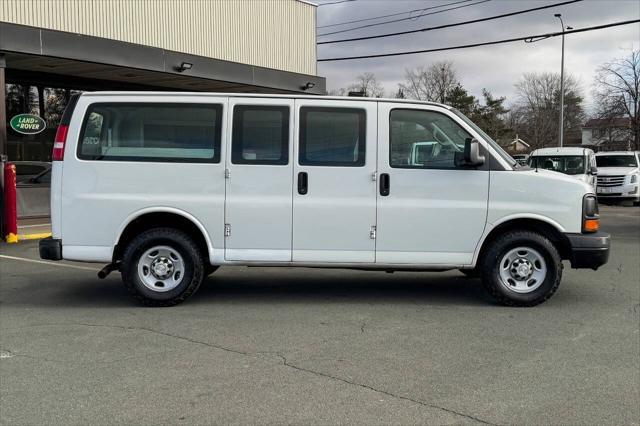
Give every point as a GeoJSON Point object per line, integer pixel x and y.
{"type": "Point", "coordinates": [27, 124]}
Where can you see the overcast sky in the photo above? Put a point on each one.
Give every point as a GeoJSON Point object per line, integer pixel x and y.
{"type": "Point", "coordinates": [496, 68]}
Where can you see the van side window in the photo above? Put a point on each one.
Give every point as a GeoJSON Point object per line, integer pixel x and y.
{"type": "Point", "coordinates": [152, 132]}
{"type": "Point", "coordinates": [332, 137]}
{"type": "Point", "coordinates": [260, 135]}
{"type": "Point", "coordinates": [422, 139]}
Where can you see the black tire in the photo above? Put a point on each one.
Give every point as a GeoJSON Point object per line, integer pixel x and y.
{"type": "Point", "coordinates": [500, 247]}
{"type": "Point", "coordinates": [471, 273]}
{"type": "Point", "coordinates": [194, 268]}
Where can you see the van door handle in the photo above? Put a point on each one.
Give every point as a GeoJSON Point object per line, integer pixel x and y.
{"type": "Point", "coordinates": [385, 184]}
{"type": "Point", "coordinates": [303, 183]}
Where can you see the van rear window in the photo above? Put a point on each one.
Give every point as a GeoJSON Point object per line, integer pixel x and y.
{"type": "Point", "coordinates": [152, 132]}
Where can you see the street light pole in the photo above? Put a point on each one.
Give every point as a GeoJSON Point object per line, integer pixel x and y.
{"type": "Point", "coordinates": [561, 131]}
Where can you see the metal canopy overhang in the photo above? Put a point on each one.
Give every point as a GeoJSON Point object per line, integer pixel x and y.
{"type": "Point", "coordinates": [34, 54]}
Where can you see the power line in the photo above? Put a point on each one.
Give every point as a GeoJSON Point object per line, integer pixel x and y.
{"type": "Point", "coordinates": [466, 46]}
{"type": "Point", "coordinates": [402, 19]}
{"type": "Point", "coordinates": [393, 14]}
{"type": "Point", "coordinates": [504, 15]}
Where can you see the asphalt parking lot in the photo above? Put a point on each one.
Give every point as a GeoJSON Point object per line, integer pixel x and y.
{"type": "Point", "coordinates": [303, 346]}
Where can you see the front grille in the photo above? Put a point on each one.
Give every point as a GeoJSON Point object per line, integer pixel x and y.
{"type": "Point", "coordinates": [610, 180]}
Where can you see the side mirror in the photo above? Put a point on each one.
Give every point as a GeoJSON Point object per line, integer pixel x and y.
{"type": "Point", "coordinates": [470, 157]}
{"type": "Point", "coordinates": [593, 170]}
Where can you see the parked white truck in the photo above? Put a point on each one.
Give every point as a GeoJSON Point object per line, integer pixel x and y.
{"type": "Point", "coordinates": [579, 163]}
{"type": "Point", "coordinates": [166, 187]}
{"type": "Point", "coordinates": [619, 176]}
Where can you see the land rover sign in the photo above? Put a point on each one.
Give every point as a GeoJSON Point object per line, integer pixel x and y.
{"type": "Point", "coordinates": [27, 124]}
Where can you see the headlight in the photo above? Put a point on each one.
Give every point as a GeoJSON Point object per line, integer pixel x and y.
{"type": "Point", "coordinates": [590, 214]}
{"type": "Point", "coordinates": [634, 178]}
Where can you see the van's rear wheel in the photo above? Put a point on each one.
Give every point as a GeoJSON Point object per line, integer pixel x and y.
{"type": "Point", "coordinates": [162, 267]}
{"type": "Point", "coordinates": [521, 268]}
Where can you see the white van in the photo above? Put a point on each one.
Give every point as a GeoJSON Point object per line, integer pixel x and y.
{"type": "Point", "coordinates": [576, 162]}
{"type": "Point", "coordinates": [166, 187]}
{"type": "Point", "coordinates": [619, 175]}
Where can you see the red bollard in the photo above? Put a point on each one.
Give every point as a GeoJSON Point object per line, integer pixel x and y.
{"type": "Point", "coordinates": [10, 204]}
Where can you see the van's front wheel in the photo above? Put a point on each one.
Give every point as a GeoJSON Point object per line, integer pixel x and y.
{"type": "Point", "coordinates": [162, 267]}
{"type": "Point", "coordinates": [521, 268]}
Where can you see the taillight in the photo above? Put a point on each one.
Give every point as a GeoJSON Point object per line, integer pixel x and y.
{"type": "Point", "coordinates": [590, 214]}
{"type": "Point", "coordinates": [59, 143]}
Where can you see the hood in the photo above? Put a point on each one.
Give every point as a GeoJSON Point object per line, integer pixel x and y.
{"type": "Point", "coordinates": [562, 177]}
{"type": "Point", "coordinates": [583, 177]}
{"type": "Point", "coordinates": [612, 171]}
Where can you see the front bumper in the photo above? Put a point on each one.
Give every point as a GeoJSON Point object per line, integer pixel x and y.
{"type": "Point", "coordinates": [589, 250]}
{"type": "Point", "coordinates": [50, 249]}
{"type": "Point", "coordinates": [622, 192]}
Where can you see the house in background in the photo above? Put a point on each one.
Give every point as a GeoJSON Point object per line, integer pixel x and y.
{"type": "Point", "coordinates": [516, 146]}
{"type": "Point", "coordinates": [608, 134]}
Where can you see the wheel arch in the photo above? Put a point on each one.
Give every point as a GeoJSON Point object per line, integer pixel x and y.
{"type": "Point", "coordinates": [540, 224]}
{"type": "Point", "coordinates": [155, 217]}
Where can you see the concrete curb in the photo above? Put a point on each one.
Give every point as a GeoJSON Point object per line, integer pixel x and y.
{"type": "Point", "coordinates": [26, 237]}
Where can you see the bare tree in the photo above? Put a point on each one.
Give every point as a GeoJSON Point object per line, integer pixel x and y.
{"type": "Point", "coordinates": [535, 114]}
{"type": "Point", "coordinates": [431, 83]}
{"type": "Point", "coordinates": [616, 91]}
{"type": "Point", "coordinates": [340, 91]}
{"type": "Point", "coordinates": [367, 84]}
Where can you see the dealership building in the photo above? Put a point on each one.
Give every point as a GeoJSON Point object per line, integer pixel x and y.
{"type": "Point", "coordinates": [51, 49]}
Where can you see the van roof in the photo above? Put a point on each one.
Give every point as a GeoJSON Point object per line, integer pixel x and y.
{"type": "Point", "coordinates": [562, 151]}
{"type": "Point", "coordinates": [617, 153]}
{"type": "Point", "coordinates": [261, 95]}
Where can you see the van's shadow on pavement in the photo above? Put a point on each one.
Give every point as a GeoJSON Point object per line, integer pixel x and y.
{"type": "Point", "coordinates": [281, 286]}
{"type": "Point", "coordinates": [369, 288]}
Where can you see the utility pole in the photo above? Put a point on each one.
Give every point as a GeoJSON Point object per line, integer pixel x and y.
{"type": "Point", "coordinates": [561, 131]}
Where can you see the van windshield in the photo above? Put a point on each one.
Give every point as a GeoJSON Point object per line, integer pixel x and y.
{"type": "Point", "coordinates": [567, 164]}
{"type": "Point", "coordinates": [486, 137]}
{"type": "Point", "coordinates": [616, 161]}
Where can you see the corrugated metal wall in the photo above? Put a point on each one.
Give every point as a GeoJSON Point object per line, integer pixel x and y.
{"type": "Point", "coordinates": [270, 33]}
